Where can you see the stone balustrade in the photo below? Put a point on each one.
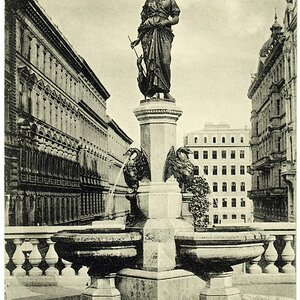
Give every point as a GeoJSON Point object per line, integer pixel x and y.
{"type": "Point", "coordinates": [30, 252]}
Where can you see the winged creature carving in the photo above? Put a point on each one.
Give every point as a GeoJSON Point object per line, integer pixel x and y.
{"type": "Point", "coordinates": [136, 168]}
{"type": "Point", "coordinates": [179, 165]}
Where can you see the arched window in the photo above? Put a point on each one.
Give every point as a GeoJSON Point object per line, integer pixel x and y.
{"type": "Point", "coordinates": [233, 187]}
{"type": "Point", "coordinates": [205, 140]}
{"type": "Point", "coordinates": [223, 140]}
{"type": "Point", "coordinates": [243, 187]}
{"type": "Point", "coordinates": [232, 140]}
{"type": "Point", "coordinates": [215, 187]}
{"type": "Point", "coordinates": [224, 187]}
{"type": "Point", "coordinates": [242, 139]}
{"type": "Point", "coordinates": [195, 140]}
{"type": "Point", "coordinates": [214, 139]}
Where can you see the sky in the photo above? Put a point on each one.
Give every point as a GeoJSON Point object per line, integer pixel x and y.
{"type": "Point", "coordinates": [214, 52]}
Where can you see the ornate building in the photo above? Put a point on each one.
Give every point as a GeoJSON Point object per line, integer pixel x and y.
{"type": "Point", "coordinates": [272, 92]}
{"type": "Point", "coordinates": [221, 155]}
{"type": "Point", "coordinates": [56, 128]}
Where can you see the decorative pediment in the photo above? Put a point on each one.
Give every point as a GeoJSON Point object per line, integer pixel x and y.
{"type": "Point", "coordinates": [47, 90]}
{"type": "Point", "coordinates": [41, 84]}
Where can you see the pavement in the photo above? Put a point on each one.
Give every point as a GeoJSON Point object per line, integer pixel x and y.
{"type": "Point", "coordinates": [73, 293]}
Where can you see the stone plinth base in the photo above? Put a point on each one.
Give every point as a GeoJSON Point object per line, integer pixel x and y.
{"type": "Point", "coordinates": [219, 287]}
{"type": "Point", "coordinates": [101, 289]}
{"type": "Point", "coordinates": [171, 285]}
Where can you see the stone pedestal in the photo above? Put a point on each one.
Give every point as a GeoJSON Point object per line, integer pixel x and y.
{"type": "Point", "coordinates": [158, 132]}
{"type": "Point", "coordinates": [219, 287]}
{"type": "Point", "coordinates": [159, 201]}
{"type": "Point", "coordinates": [171, 285]}
{"type": "Point", "coordinates": [101, 289]}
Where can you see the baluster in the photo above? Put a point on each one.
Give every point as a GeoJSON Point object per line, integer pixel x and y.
{"type": "Point", "coordinates": [18, 259]}
{"type": "Point", "coordinates": [254, 268]}
{"type": "Point", "coordinates": [288, 255]}
{"type": "Point", "coordinates": [6, 261]}
{"type": "Point", "coordinates": [271, 256]}
{"type": "Point", "coordinates": [67, 271]}
{"type": "Point", "coordinates": [51, 259]}
{"type": "Point", "coordinates": [83, 271]}
{"type": "Point", "coordinates": [35, 258]}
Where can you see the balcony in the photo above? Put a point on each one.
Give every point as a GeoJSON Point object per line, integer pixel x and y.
{"type": "Point", "coordinates": [262, 164]}
{"type": "Point", "coordinates": [267, 193]}
{"type": "Point", "coordinates": [33, 268]}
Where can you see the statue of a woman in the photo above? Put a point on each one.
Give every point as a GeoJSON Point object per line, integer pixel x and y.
{"type": "Point", "coordinates": [155, 35]}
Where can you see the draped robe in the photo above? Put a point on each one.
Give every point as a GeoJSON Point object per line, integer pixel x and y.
{"type": "Point", "coordinates": [156, 43]}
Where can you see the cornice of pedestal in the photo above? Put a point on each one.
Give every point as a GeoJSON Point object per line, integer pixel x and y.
{"type": "Point", "coordinates": [158, 111]}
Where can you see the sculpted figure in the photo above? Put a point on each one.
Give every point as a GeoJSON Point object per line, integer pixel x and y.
{"type": "Point", "coordinates": [155, 35]}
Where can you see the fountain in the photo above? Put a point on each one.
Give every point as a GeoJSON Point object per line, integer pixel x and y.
{"type": "Point", "coordinates": [156, 256]}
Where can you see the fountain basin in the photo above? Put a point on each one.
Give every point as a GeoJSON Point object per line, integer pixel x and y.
{"type": "Point", "coordinates": [212, 253]}
{"type": "Point", "coordinates": [103, 251]}
{"type": "Point", "coordinates": [219, 249]}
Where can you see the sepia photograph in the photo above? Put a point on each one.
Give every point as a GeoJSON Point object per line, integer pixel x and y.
{"type": "Point", "coordinates": [150, 149]}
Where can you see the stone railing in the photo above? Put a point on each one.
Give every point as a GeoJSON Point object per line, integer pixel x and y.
{"type": "Point", "coordinates": [29, 252]}
{"type": "Point", "coordinates": [279, 255]}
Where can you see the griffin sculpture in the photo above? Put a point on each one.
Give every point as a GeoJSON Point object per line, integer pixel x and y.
{"type": "Point", "coordinates": [179, 165]}
{"type": "Point", "coordinates": [136, 168]}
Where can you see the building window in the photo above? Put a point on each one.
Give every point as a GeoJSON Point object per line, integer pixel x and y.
{"type": "Point", "coordinates": [243, 217]}
{"type": "Point", "coordinates": [279, 177]}
{"type": "Point", "coordinates": [233, 202]}
{"type": "Point", "coordinates": [224, 187]}
{"type": "Point", "coordinates": [223, 153]}
{"type": "Point", "coordinates": [29, 102]}
{"type": "Point", "coordinates": [232, 140]}
{"type": "Point", "coordinates": [232, 155]}
{"type": "Point", "coordinates": [224, 217]}
{"type": "Point", "coordinates": [279, 144]}
{"type": "Point", "coordinates": [243, 202]}
{"type": "Point", "coordinates": [215, 170]}
{"type": "Point", "coordinates": [214, 155]}
{"type": "Point", "coordinates": [196, 154]}
{"type": "Point", "coordinates": [233, 217]}
{"type": "Point", "coordinates": [216, 219]}
{"type": "Point", "coordinates": [205, 170]}
{"type": "Point", "coordinates": [224, 170]}
{"type": "Point", "coordinates": [205, 140]}
{"type": "Point", "coordinates": [21, 40]}
{"type": "Point", "coordinates": [214, 140]}
{"type": "Point", "coordinates": [233, 187]}
{"type": "Point", "coordinates": [257, 183]}
{"type": "Point", "coordinates": [242, 154]}
{"type": "Point", "coordinates": [205, 154]}
{"type": "Point", "coordinates": [21, 91]}
{"type": "Point", "coordinates": [223, 140]}
{"type": "Point", "coordinates": [224, 202]}
{"type": "Point", "coordinates": [195, 140]}
{"type": "Point", "coordinates": [29, 49]}
{"type": "Point", "coordinates": [215, 187]}
{"type": "Point", "coordinates": [215, 202]}
{"type": "Point", "coordinates": [196, 170]}
{"type": "Point", "coordinates": [278, 106]}
{"type": "Point", "coordinates": [242, 139]}
{"type": "Point", "coordinates": [232, 170]}
{"type": "Point", "coordinates": [242, 170]}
